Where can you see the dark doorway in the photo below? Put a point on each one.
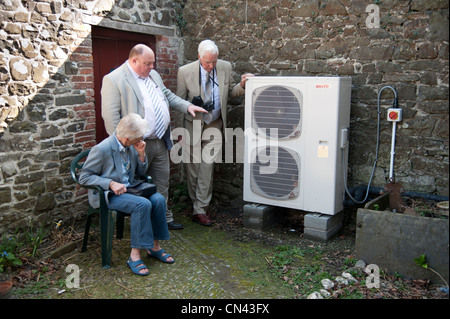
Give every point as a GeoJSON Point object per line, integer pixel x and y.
{"type": "Point", "coordinates": [110, 48]}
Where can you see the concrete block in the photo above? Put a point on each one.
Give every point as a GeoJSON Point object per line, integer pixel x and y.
{"type": "Point", "coordinates": [320, 227]}
{"type": "Point", "coordinates": [259, 217]}
{"type": "Point", "coordinates": [392, 241]}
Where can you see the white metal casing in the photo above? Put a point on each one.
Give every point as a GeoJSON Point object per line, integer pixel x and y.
{"type": "Point", "coordinates": [312, 115]}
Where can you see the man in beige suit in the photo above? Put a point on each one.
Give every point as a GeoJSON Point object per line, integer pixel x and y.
{"type": "Point", "coordinates": [135, 87]}
{"type": "Point", "coordinates": [210, 79]}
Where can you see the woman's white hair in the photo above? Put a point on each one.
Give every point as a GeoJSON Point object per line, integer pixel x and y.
{"type": "Point", "coordinates": [207, 46]}
{"type": "Point", "coordinates": [132, 126]}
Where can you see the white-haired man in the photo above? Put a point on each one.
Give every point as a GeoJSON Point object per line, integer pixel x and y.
{"type": "Point", "coordinates": [207, 82]}
{"type": "Point", "coordinates": [113, 164]}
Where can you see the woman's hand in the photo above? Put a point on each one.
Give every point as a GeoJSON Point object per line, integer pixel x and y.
{"type": "Point", "coordinates": [140, 147]}
{"type": "Point", "coordinates": [117, 188]}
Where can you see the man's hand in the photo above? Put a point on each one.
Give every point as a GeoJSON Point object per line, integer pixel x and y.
{"type": "Point", "coordinates": [194, 108]}
{"type": "Point", "coordinates": [244, 78]}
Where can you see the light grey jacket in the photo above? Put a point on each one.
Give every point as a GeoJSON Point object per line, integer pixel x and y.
{"type": "Point", "coordinates": [104, 164]}
{"type": "Point", "coordinates": [121, 96]}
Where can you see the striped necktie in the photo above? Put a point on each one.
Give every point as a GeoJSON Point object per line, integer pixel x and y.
{"type": "Point", "coordinates": [157, 107]}
{"type": "Point", "coordinates": [208, 91]}
{"type": "Point", "coordinates": [207, 117]}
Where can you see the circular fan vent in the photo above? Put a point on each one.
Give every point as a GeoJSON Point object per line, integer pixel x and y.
{"type": "Point", "coordinates": [275, 173]}
{"type": "Point", "coordinates": [277, 107]}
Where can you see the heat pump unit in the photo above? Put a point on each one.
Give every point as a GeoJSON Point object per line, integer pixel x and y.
{"type": "Point", "coordinates": [296, 130]}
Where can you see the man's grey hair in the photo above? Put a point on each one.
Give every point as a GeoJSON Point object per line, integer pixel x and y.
{"type": "Point", "coordinates": [132, 126]}
{"type": "Point", "coordinates": [207, 46]}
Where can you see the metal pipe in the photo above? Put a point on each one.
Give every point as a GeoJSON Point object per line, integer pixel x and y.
{"type": "Point", "coordinates": [376, 148]}
{"type": "Point", "coordinates": [394, 126]}
{"type": "Point", "coordinates": [391, 168]}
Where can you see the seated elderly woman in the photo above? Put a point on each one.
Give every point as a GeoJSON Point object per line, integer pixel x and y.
{"type": "Point", "coordinates": [114, 164]}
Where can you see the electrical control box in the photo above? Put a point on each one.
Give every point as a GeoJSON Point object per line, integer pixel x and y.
{"type": "Point", "coordinates": [394, 115]}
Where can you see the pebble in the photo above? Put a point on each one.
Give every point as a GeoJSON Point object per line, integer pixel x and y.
{"type": "Point", "coordinates": [327, 284]}
{"type": "Point", "coordinates": [349, 277]}
{"type": "Point", "coordinates": [315, 295]}
{"type": "Point", "coordinates": [360, 264]}
{"type": "Point", "coordinates": [341, 280]}
{"type": "Point", "coordinates": [325, 293]}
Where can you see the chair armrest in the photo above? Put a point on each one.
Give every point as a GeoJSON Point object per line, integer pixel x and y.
{"type": "Point", "coordinates": [94, 187]}
{"type": "Point", "coordinates": [101, 194]}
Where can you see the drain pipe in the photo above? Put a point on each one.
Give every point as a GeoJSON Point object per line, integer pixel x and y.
{"type": "Point", "coordinates": [357, 193]}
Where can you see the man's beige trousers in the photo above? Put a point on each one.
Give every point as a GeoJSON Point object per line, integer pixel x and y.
{"type": "Point", "coordinates": [205, 150]}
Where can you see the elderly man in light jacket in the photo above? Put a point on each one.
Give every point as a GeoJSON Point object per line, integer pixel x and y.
{"type": "Point", "coordinates": [192, 81]}
{"type": "Point", "coordinates": [113, 165]}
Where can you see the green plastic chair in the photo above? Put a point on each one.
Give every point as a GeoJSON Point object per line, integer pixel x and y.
{"type": "Point", "coordinates": [107, 216]}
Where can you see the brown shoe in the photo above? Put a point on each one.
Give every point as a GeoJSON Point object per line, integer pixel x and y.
{"type": "Point", "coordinates": [202, 219]}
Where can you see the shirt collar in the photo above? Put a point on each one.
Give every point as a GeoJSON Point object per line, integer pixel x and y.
{"type": "Point", "coordinates": [121, 147]}
{"type": "Point", "coordinates": [203, 71]}
{"type": "Point", "coordinates": [135, 75]}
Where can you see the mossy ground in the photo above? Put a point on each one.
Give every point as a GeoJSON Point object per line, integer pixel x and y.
{"type": "Point", "coordinates": [224, 261]}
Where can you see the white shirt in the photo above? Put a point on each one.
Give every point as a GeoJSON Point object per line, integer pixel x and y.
{"type": "Point", "coordinates": [148, 105]}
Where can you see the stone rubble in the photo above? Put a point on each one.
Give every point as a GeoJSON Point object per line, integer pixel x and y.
{"type": "Point", "coordinates": [344, 280]}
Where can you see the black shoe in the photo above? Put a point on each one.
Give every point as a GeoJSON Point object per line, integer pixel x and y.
{"type": "Point", "coordinates": [172, 225]}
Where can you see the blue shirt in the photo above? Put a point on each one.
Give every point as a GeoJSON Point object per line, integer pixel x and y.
{"type": "Point", "coordinates": [126, 165]}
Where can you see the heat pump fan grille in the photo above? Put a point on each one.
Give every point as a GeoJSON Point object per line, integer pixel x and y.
{"type": "Point", "coordinates": [277, 107]}
{"type": "Point", "coordinates": [275, 173]}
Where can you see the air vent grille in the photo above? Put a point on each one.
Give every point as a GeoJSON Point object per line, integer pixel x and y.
{"type": "Point", "coordinates": [277, 107]}
{"type": "Point", "coordinates": [276, 173]}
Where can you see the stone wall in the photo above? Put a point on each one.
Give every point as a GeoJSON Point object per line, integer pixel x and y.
{"type": "Point", "coordinates": [47, 99]}
{"type": "Point", "coordinates": [47, 112]}
{"type": "Point", "coordinates": [408, 50]}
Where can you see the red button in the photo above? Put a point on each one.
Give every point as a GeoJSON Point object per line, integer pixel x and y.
{"type": "Point", "coordinates": [393, 115]}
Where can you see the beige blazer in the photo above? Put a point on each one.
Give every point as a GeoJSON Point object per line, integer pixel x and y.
{"type": "Point", "coordinates": [188, 86]}
{"type": "Point", "coordinates": [121, 96]}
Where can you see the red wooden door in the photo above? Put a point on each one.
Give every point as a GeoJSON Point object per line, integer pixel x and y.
{"type": "Point", "coordinates": [110, 48]}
